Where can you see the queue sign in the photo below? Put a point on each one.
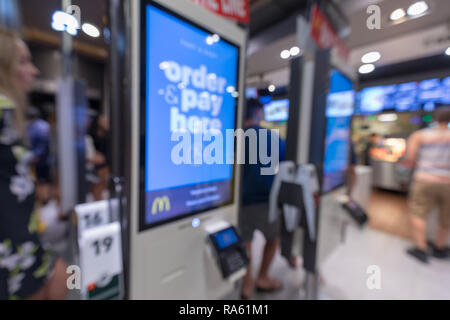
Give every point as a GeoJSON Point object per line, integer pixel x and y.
{"type": "Point", "coordinates": [100, 251]}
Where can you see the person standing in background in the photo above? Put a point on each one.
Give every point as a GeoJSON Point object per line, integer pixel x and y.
{"type": "Point", "coordinates": [39, 135]}
{"type": "Point", "coordinates": [370, 144]}
{"type": "Point", "coordinates": [254, 214]}
{"type": "Point", "coordinates": [99, 131]}
{"type": "Point", "coordinates": [428, 151]}
{"type": "Point", "coordinates": [28, 270]}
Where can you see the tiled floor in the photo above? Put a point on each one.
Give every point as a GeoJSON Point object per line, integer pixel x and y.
{"type": "Point", "coordinates": [344, 272]}
{"type": "Point", "coordinates": [292, 279]}
{"type": "Point", "coordinates": [388, 212]}
{"type": "Point", "coordinates": [402, 277]}
{"type": "Point", "coordinates": [383, 243]}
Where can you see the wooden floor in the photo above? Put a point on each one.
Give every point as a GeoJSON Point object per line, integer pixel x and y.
{"type": "Point", "coordinates": [388, 212]}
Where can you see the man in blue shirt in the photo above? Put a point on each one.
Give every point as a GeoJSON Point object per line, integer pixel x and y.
{"type": "Point", "coordinates": [39, 137]}
{"type": "Point", "coordinates": [255, 213]}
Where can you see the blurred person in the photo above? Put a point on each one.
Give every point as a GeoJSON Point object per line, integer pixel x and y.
{"type": "Point", "coordinates": [27, 269]}
{"type": "Point", "coordinates": [254, 214]}
{"type": "Point", "coordinates": [99, 131]}
{"type": "Point", "coordinates": [428, 151]}
{"type": "Point", "coordinates": [93, 158]}
{"type": "Point", "coordinates": [39, 136]}
{"type": "Point", "coordinates": [351, 172]}
{"type": "Point", "coordinates": [372, 142]}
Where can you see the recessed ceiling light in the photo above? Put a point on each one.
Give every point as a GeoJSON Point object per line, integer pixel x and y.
{"type": "Point", "coordinates": [294, 51]}
{"type": "Point", "coordinates": [418, 8]}
{"type": "Point", "coordinates": [90, 30]}
{"type": "Point", "coordinates": [62, 21]}
{"type": "Point", "coordinates": [285, 54]}
{"type": "Point", "coordinates": [397, 14]}
{"type": "Point", "coordinates": [272, 88]}
{"type": "Point", "coordinates": [447, 52]}
{"type": "Point", "coordinates": [366, 68]}
{"type": "Point", "coordinates": [371, 57]}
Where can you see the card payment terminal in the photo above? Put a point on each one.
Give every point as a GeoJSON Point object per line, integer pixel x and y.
{"type": "Point", "coordinates": [230, 251]}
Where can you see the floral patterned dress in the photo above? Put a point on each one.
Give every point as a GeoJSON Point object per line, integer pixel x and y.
{"type": "Point", "coordinates": [24, 264]}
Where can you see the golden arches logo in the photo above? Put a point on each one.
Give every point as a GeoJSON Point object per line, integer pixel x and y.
{"type": "Point", "coordinates": [161, 204]}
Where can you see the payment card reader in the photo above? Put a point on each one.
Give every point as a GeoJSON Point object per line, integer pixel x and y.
{"type": "Point", "coordinates": [230, 251]}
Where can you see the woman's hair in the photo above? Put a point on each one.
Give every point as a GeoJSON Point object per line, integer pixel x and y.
{"type": "Point", "coordinates": [9, 42]}
{"type": "Point", "coordinates": [442, 115]}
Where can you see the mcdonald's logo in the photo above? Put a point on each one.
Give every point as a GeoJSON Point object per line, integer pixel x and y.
{"type": "Point", "coordinates": [161, 204]}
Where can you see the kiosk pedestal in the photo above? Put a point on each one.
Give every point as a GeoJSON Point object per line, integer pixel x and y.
{"type": "Point", "coordinates": [188, 81]}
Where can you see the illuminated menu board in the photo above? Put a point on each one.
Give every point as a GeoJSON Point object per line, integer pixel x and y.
{"type": "Point", "coordinates": [410, 96]}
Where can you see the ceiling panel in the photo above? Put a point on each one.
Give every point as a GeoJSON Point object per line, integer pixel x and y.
{"type": "Point", "coordinates": [38, 14]}
{"type": "Point", "coordinates": [361, 35]}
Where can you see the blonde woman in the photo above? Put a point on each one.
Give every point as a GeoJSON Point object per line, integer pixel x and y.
{"type": "Point", "coordinates": [27, 269]}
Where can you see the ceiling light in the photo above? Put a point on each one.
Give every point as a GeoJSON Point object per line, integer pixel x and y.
{"type": "Point", "coordinates": [294, 51]}
{"type": "Point", "coordinates": [90, 30]}
{"type": "Point", "coordinates": [447, 52]}
{"type": "Point", "coordinates": [397, 14]}
{"type": "Point", "coordinates": [285, 54]}
{"type": "Point", "coordinates": [272, 88]}
{"type": "Point", "coordinates": [366, 68]}
{"type": "Point", "coordinates": [62, 21]}
{"type": "Point", "coordinates": [418, 8]}
{"type": "Point", "coordinates": [371, 57]}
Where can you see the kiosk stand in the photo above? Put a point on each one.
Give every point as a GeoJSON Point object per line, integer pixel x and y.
{"type": "Point", "coordinates": [306, 145]}
{"type": "Point", "coordinates": [188, 68]}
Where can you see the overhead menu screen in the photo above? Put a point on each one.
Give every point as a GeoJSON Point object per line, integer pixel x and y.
{"type": "Point", "coordinates": [277, 110]}
{"type": "Point", "coordinates": [411, 96]}
{"type": "Point", "coordinates": [190, 82]}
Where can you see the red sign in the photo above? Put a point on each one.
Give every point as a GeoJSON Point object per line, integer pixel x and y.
{"type": "Point", "coordinates": [232, 9]}
{"type": "Point", "coordinates": [324, 35]}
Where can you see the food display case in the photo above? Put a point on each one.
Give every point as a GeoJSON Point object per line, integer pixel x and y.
{"type": "Point", "coordinates": [384, 159]}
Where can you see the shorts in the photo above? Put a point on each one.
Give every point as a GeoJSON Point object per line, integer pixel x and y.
{"type": "Point", "coordinates": [425, 196]}
{"type": "Point", "coordinates": [256, 217]}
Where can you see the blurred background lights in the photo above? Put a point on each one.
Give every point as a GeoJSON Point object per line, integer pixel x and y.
{"type": "Point", "coordinates": [90, 30]}
{"type": "Point", "coordinates": [418, 8]}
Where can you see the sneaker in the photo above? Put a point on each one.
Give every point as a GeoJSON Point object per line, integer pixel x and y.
{"type": "Point", "coordinates": [439, 253]}
{"type": "Point", "coordinates": [418, 254]}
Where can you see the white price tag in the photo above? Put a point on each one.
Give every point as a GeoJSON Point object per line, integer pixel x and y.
{"type": "Point", "coordinates": [100, 255]}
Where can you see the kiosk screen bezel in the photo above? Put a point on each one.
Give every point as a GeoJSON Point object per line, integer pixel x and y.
{"type": "Point", "coordinates": [143, 225]}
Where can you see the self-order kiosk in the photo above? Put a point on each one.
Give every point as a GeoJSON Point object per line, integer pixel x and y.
{"type": "Point", "coordinates": [188, 80]}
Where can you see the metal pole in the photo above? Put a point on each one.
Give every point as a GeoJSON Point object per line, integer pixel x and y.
{"type": "Point", "coordinates": [120, 117]}
{"type": "Point", "coordinates": [66, 46]}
